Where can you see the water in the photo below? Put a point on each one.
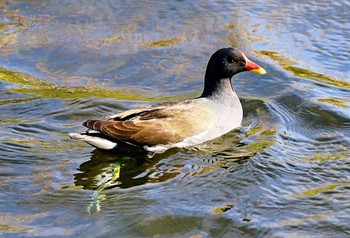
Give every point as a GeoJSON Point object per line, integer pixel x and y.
{"type": "Point", "coordinates": [284, 173]}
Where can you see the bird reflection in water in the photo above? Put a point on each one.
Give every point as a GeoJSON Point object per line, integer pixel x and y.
{"type": "Point", "coordinates": [122, 169]}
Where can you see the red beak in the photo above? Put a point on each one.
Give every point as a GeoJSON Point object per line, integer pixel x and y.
{"type": "Point", "coordinates": [251, 66]}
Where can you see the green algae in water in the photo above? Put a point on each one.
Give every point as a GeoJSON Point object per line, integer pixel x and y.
{"type": "Point", "coordinates": [20, 78]}
{"type": "Point", "coordinates": [83, 92]}
{"type": "Point", "coordinates": [20, 100]}
{"type": "Point", "coordinates": [163, 42]}
{"type": "Point", "coordinates": [3, 26]}
{"type": "Point", "coordinates": [8, 228]}
{"type": "Point", "coordinates": [326, 188]}
{"type": "Point", "coordinates": [222, 209]}
{"type": "Point", "coordinates": [287, 64]}
{"type": "Point", "coordinates": [258, 147]}
{"type": "Point", "coordinates": [339, 102]}
{"type": "Point", "coordinates": [42, 89]}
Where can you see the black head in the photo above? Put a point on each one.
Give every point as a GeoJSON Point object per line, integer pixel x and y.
{"type": "Point", "coordinates": [222, 65]}
{"type": "Point", "coordinates": [227, 62]}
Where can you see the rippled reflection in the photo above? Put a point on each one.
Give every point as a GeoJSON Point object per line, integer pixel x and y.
{"type": "Point", "coordinates": [284, 173]}
{"type": "Point", "coordinates": [122, 169]}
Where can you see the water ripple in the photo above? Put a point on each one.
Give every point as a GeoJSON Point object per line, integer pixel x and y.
{"type": "Point", "coordinates": [285, 172]}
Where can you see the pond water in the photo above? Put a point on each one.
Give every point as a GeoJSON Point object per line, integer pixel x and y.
{"type": "Point", "coordinates": [284, 173]}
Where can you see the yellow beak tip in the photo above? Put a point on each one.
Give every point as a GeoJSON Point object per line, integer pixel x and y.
{"type": "Point", "coordinates": [260, 70]}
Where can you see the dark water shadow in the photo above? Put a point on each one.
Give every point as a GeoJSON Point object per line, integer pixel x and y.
{"type": "Point", "coordinates": [120, 168]}
{"type": "Point", "coordinates": [125, 168]}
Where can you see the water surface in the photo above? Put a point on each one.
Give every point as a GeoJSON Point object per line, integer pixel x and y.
{"type": "Point", "coordinates": [284, 173]}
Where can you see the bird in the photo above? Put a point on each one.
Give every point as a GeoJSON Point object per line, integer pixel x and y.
{"type": "Point", "coordinates": [183, 123]}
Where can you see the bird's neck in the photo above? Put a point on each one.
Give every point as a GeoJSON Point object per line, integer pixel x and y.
{"type": "Point", "coordinates": [216, 87]}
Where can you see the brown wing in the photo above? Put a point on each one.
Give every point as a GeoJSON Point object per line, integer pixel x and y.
{"type": "Point", "coordinates": [137, 133]}
{"type": "Point", "coordinates": [165, 124]}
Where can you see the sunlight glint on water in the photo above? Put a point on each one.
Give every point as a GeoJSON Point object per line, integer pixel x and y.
{"type": "Point", "coordinates": [284, 173]}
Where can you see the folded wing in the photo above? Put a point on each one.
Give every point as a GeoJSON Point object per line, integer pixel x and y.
{"type": "Point", "coordinates": [164, 124]}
